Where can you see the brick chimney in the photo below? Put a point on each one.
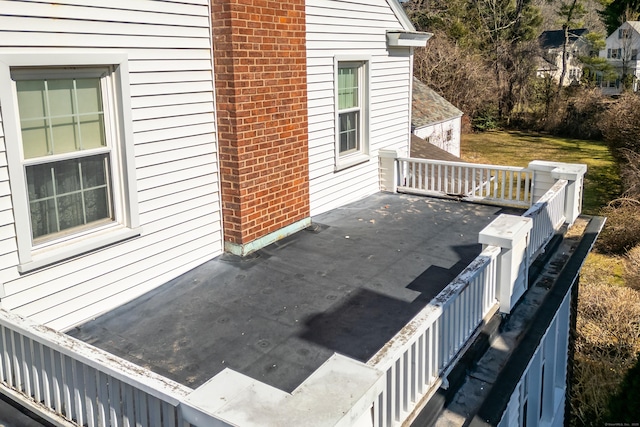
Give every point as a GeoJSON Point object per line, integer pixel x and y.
{"type": "Point", "coordinates": [261, 93]}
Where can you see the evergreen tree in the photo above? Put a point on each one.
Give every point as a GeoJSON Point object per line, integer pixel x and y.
{"type": "Point", "coordinates": [618, 11]}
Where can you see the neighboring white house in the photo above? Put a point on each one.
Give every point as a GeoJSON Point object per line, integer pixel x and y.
{"type": "Point", "coordinates": [621, 52]}
{"type": "Point", "coordinates": [551, 43]}
{"type": "Point", "coordinates": [435, 119]}
{"type": "Point", "coordinates": [140, 139]}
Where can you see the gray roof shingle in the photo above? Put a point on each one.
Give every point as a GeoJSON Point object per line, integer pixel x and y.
{"type": "Point", "coordinates": [428, 107]}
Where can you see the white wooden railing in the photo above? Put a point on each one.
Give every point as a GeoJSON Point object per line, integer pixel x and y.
{"type": "Point", "coordinates": [504, 185]}
{"type": "Point", "coordinates": [415, 359]}
{"type": "Point", "coordinates": [91, 387]}
{"type": "Point", "coordinates": [81, 383]}
{"type": "Point", "coordinates": [548, 215]}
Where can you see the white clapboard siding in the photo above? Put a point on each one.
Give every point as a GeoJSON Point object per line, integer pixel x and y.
{"type": "Point", "coordinates": [115, 279]}
{"type": "Point", "coordinates": [172, 133]}
{"type": "Point", "coordinates": [165, 111]}
{"type": "Point", "coordinates": [359, 28]}
{"type": "Point", "coordinates": [155, 184]}
{"type": "Point", "coordinates": [168, 44]}
{"type": "Point", "coordinates": [6, 217]}
{"type": "Point", "coordinates": [147, 282]}
{"type": "Point", "coordinates": [118, 257]}
{"type": "Point", "coordinates": [5, 190]}
{"type": "Point", "coordinates": [7, 231]}
{"type": "Point", "coordinates": [139, 12]}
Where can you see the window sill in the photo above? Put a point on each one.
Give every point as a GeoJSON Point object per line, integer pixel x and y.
{"type": "Point", "coordinates": [352, 160]}
{"type": "Point", "coordinates": [62, 251]}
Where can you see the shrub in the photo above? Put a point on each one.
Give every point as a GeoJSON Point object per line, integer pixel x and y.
{"type": "Point", "coordinates": [485, 120]}
{"type": "Point", "coordinates": [607, 341]}
{"type": "Point", "coordinates": [623, 407]}
{"type": "Point", "coordinates": [630, 173]}
{"type": "Point", "coordinates": [581, 114]}
{"type": "Point", "coordinates": [622, 229]}
{"type": "Point", "coordinates": [632, 268]}
{"type": "Point", "coordinates": [620, 124]}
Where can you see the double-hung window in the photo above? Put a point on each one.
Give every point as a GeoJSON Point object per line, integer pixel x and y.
{"type": "Point", "coordinates": [66, 150]}
{"type": "Point", "coordinates": [352, 85]}
{"type": "Point", "coordinates": [66, 130]}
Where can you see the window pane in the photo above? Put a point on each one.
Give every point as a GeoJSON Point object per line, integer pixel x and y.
{"type": "Point", "coordinates": [96, 204]}
{"type": "Point", "coordinates": [347, 88]}
{"type": "Point", "coordinates": [60, 94]}
{"type": "Point", "coordinates": [43, 218]}
{"type": "Point", "coordinates": [349, 123]}
{"type": "Point", "coordinates": [70, 211]}
{"type": "Point", "coordinates": [40, 182]}
{"type": "Point", "coordinates": [89, 99]}
{"type": "Point", "coordinates": [30, 99]}
{"type": "Point", "coordinates": [67, 176]}
{"type": "Point", "coordinates": [68, 194]}
{"type": "Point", "coordinates": [35, 138]}
{"type": "Point", "coordinates": [31, 107]}
{"type": "Point", "coordinates": [92, 131]}
{"type": "Point", "coordinates": [64, 131]}
{"type": "Point", "coordinates": [93, 172]}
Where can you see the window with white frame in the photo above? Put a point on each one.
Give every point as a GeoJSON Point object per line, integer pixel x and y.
{"type": "Point", "coordinates": [66, 150]}
{"type": "Point", "coordinates": [66, 131]}
{"type": "Point", "coordinates": [352, 112]}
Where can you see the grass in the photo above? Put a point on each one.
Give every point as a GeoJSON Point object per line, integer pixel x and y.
{"type": "Point", "coordinates": [602, 182]}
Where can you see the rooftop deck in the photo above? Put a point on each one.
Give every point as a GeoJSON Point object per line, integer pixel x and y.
{"type": "Point", "coordinates": [347, 284]}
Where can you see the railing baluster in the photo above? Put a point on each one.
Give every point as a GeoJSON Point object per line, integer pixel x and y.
{"type": "Point", "coordinates": [67, 376]}
{"type": "Point", "coordinates": [15, 362]}
{"type": "Point", "coordinates": [25, 362]}
{"type": "Point", "coordinates": [45, 357]}
{"type": "Point", "coordinates": [115, 400]}
{"type": "Point", "coordinates": [56, 376]}
{"type": "Point", "coordinates": [491, 183]}
{"type": "Point", "coordinates": [421, 365]}
{"type": "Point", "coordinates": [393, 395]}
{"type": "Point", "coordinates": [78, 386]}
{"type": "Point", "coordinates": [36, 368]}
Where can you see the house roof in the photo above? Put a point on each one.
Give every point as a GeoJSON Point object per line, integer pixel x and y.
{"type": "Point", "coordinates": [430, 108]}
{"type": "Point", "coordinates": [422, 149]}
{"type": "Point", "coordinates": [542, 64]}
{"type": "Point", "coordinates": [553, 39]}
{"type": "Point", "coordinates": [635, 25]}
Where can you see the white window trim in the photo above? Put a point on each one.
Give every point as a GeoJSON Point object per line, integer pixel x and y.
{"type": "Point", "coordinates": [362, 155]}
{"type": "Point", "coordinates": [128, 225]}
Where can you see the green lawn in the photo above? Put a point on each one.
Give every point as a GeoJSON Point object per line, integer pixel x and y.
{"type": "Point", "coordinates": [602, 182]}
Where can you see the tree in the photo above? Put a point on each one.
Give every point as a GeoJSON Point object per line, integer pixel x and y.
{"type": "Point", "coordinates": [506, 26]}
{"type": "Point", "coordinates": [618, 11]}
{"type": "Point", "coordinates": [571, 12]}
{"type": "Point", "coordinates": [489, 38]}
{"type": "Point", "coordinates": [595, 65]}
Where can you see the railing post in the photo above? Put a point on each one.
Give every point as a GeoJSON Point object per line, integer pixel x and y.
{"type": "Point", "coordinates": [547, 173]}
{"type": "Point", "coordinates": [511, 234]}
{"type": "Point", "coordinates": [542, 179]}
{"type": "Point", "coordinates": [388, 170]}
{"type": "Point", "coordinates": [574, 174]}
